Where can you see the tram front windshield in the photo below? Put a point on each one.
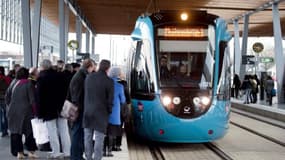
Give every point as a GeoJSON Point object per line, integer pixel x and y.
{"type": "Point", "coordinates": [185, 62]}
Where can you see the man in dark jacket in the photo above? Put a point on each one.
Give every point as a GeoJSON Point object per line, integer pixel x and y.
{"type": "Point", "coordinates": [76, 91]}
{"type": "Point", "coordinates": [51, 96]}
{"type": "Point", "coordinates": [98, 103]}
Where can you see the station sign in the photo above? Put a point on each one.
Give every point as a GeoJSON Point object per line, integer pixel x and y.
{"type": "Point", "coordinates": [248, 59]}
{"type": "Point", "coordinates": [266, 60]}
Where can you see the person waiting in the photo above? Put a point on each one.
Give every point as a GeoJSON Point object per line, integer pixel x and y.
{"type": "Point", "coordinates": [269, 86]}
{"type": "Point", "coordinates": [20, 99]}
{"type": "Point", "coordinates": [114, 126]}
{"type": "Point", "coordinates": [164, 71]}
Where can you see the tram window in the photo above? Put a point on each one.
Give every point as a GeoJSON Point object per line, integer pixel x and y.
{"type": "Point", "coordinates": [225, 73]}
{"type": "Point", "coordinates": [142, 78]}
{"type": "Point", "coordinates": [184, 67]}
{"type": "Point", "coordinates": [185, 61]}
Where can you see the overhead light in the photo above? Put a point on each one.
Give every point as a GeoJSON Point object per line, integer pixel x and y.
{"type": "Point", "coordinates": [184, 16]}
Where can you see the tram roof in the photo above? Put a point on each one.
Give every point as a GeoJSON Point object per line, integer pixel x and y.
{"type": "Point", "coordinates": [119, 16]}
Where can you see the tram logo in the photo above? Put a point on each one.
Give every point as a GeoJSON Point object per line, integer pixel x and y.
{"type": "Point", "coordinates": [187, 109]}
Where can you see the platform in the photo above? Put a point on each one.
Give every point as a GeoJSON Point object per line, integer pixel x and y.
{"type": "Point", "coordinates": [276, 111]}
{"type": "Point", "coordinates": [6, 155]}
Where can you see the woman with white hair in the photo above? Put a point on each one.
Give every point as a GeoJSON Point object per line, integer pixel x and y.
{"type": "Point", "coordinates": [124, 111]}
{"type": "Point", "coordinates": [114, 126]}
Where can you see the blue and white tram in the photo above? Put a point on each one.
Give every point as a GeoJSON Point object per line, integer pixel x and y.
{"type": "Point", "coordinates": [179, 77]}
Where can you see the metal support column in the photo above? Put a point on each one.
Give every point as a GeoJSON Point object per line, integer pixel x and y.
{"type": "Point", "coordinates": [36, 31]}
{"type": "Point", "coordinates": [87, 41]}
{"type": "Point", "coordinates": [66, 31]}
{"type": "Point", "coordinates": [93, 44]}
{"type": "Point", "coordinates": [78, 33]}
{"type": "Point", "coordinates": [237, 53]}
{"type": "Point", "coordinates": [61, 17]}
{"type": "Point", "coordinates": [244, 45]}
{"type": "Point", "coordinates": [279, 55]}
{"type": "Point", "coordinates": [26, 23]}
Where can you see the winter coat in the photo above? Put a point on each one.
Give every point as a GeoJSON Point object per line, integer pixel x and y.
{"type": "Point", "coordinates": [246, 84]}
{"type": "Point", "coordinates": [269, 86]}
{"type": "Point", "coordinates": [98, 101]}
{"type": "Point", "coordinates": [20, 101]}
{"type": "Point", "coordinates": [119, 99]}
{"type": "Point", "coordinates": [76, 88]}
{"type": "Point", "coordinates": [237, 82]}
{"type": "Point", "coordinates": [51, 94]}
{"type": "Point", "coordinates": [124, 107]}
{"type": "Point", "coordinates": [67, 76]}
{"type": "Point", "coordinates": [4, 84]}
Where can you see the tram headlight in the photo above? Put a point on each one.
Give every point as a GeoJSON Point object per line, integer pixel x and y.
{"type": "Point", "coordinates": [176, 100]}
{"type": "Point", "coordinates": [166, 100]}
{"type": "Point", "coordinates": [196, 101]}
{"type": "Point", "coordinates": [205, 100]}
{"type": "Point", "coordinates": [201, 101]}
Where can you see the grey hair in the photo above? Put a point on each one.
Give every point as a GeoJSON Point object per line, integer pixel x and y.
{"type": "Point", "coordinates": [46, 64]}
{"type": "Point", "coordinates": [115, 72]}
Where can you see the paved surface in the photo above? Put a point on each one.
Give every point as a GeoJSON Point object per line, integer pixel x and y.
{"type": "Point", "coordinates": [5, 151]}
{"type": "Point", "coordinates": [263, 103]}
{"type": "Point", "coordinates": [243, 145]}
{"type": "Point", "coordinates": [276, 111]}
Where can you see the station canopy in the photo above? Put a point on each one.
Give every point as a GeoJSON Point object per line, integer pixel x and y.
{"type": "Point", "coordinates": [119, 16]}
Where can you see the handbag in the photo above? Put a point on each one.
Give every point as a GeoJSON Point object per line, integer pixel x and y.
{"type": "Point", "coordinates": [273, 92]}
{"type": "Point", "coordinates": [69, 111]}
{"type": "Point", "coordinates": [40, 131]}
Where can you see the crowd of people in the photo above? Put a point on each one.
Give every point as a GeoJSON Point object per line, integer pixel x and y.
{"type": "Point", "coordinates": [251, 86]}
{"type": "Point", "coordinates": [100, 95]}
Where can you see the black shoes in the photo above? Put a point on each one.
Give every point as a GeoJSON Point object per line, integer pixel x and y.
{"type": "Point", "coordinates": [108, 154]}
{"type": "Point", "coordinates": [116, 149]}
{"type": "Point", "coordinates": [4, 134]}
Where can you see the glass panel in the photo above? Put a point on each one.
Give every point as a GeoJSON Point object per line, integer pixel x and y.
{"type": "Point", "coordinates": [146, 50]}
{"type": "Point", "coordinates": [225, 79]}
{"type": "Point", "coordinates": [1, 19]}
{"type": "Point", "coordinates": [181, 68]}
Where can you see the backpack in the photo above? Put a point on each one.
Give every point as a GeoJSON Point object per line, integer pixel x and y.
{"type": "Point", "coordinates": [253, 83]}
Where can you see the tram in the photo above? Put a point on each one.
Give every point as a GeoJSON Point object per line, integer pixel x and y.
{"type": "Point", "coordinates": [179, 77]}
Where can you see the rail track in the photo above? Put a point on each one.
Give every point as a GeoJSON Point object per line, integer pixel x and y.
{"type": "Point", "coordinates": [220, 149]}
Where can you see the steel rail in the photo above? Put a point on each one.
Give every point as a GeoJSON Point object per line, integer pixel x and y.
{"type": "Point", "coordinates": [259, 134]}
{"type": "Point", "coordinates": [218, 151]}
{"type": "Point", "coordinates": [259, 119]}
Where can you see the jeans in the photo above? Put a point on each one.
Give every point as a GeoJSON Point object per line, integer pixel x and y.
{"type": "Point", "coordinates": [77, 140]}
{"type": "Point", "coordinates": [98, 147]}
{"type": "Point", "coordinates": [247, 96]}
{"type": "Point", "coordinates": [60, 126]}
{"type": "Point", "coordinates": [3, 119]}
